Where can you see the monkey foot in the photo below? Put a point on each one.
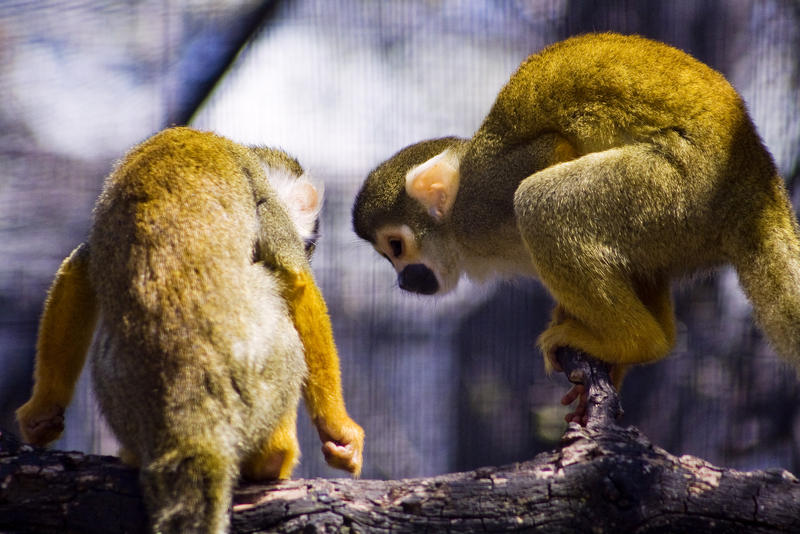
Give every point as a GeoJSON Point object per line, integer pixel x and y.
{"type": "Point", "coordinates": [598, 401]}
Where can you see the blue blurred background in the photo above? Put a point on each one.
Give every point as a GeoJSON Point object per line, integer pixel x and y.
{"type": "Point", "coordinates": [438, 384]}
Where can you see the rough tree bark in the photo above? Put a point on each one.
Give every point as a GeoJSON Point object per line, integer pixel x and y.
{"type": "Point", "coordinates": [603, 478]}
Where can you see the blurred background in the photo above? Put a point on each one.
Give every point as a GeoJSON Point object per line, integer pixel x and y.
{"type": "Point", "coordinates": [438, 384]}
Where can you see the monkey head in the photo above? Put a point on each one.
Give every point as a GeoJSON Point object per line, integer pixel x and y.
{"type": "Point", "coordinates": [403, 209]}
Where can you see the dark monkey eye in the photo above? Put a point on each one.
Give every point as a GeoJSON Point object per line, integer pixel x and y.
{"type": "Point", "coordinates": [397, 247]}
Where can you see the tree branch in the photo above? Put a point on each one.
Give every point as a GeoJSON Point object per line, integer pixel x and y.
{"type": "Point", "coordinates": [602, 478]}
{"type": "Point", "coordinates": [612, 480]}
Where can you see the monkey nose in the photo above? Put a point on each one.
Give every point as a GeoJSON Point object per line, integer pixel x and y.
{"type": "Point", "coordinates": [419, 279]}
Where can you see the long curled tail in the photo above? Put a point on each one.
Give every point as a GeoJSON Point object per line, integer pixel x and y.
{"type": "Point", "coordinates": [769, 271]}
{"type": "Point", "coordinates": [189, 491]}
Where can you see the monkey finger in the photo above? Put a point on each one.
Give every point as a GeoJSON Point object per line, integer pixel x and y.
{"type": "Point", "coordinates": [569, 417]}
{"type": "Point", "coordinates": [575, 417]}
{"type": "Point", "coordinates": [580, 414]}
{"type": "Point", "coordinates": [342, 456]}
{"type": "Point", "coordinates": [576, 391]}
{"type": "Point", "coordinates": [336, 452]}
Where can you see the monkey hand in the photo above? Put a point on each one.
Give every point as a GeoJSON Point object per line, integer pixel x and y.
{"type": "Point", "coordinates": [342, 443]}
{"type": "Point", "coordinates": [593, 387]}
{"type": "Point", "coordinates": [580, 415]}
{"type": "Point", "coordinates": [551, 364]}
{"type": "Point", "coordinates": [40, 422]}
{"type": "Point", "coordinates": [578, 391]}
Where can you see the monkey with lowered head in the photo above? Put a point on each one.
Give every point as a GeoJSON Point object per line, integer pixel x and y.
{"type": "Point", "coordinates": [608, 166]}
{"type": "Point", "coordinates": [209, 325]}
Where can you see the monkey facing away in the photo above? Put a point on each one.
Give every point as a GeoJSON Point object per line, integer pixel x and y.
{"type": "Point", "coordinates": [209, 325]}
{"type": "Point", "coordinates": [607, 166]}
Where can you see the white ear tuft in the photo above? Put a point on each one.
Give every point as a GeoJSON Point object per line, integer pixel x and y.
{"type": "Point", "coordinates": [301, 198]}
{"type": "Point", "coordinates": [434, 183]}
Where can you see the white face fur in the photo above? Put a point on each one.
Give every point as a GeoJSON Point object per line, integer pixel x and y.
{"type": "Point", "coordinates": [398, 244]}
{"type": "Point", "coordinates": [431, 267]}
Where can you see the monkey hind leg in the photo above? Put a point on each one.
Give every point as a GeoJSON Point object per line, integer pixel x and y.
{"type": "Point", "coordinates": [620, 331]}
{"type": "Point", "coordinates": [768, 265]}
{"type": "Point", "coordinates": [596, 230]}
{"type": "Point", "coordinates": [189, 489]}
{"type": "Point", "coordinates": [279, 454]}
{"type": "Point", "coordinates": [656, 298]}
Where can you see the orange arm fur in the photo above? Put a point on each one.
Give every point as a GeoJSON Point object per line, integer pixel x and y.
{"type": "Point", "coordinates": [343, 439]}
{"type": "Point", "coordinates": [65, 333]}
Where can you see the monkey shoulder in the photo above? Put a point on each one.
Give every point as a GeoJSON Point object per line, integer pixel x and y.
{"type": "Point", "coordinates": [176, 227]}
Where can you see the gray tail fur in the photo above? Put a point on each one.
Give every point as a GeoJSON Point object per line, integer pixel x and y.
{"type": "Point", "coordinates": [189, 491]}
{"type": "Point", "coordinates": [769, 272]}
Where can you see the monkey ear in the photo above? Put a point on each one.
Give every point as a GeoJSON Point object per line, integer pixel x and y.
{"type": "Point", "coordinates": [434, 184]}
{"type": "Point", "coordinates": [302, 199]}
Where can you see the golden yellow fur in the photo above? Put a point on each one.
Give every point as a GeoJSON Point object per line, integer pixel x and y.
{"type": "Point", "coordinates": [608, 166]}
{"type": "Point", "coordinates": [65, 332]}
{"type": "Point", "coordinates": [209, 326]}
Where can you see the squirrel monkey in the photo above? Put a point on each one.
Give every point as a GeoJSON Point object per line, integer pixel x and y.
{"type": "Point", "coordinates": [607, 166]}
{"type": "Point", "coordinates": [208, 325]}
